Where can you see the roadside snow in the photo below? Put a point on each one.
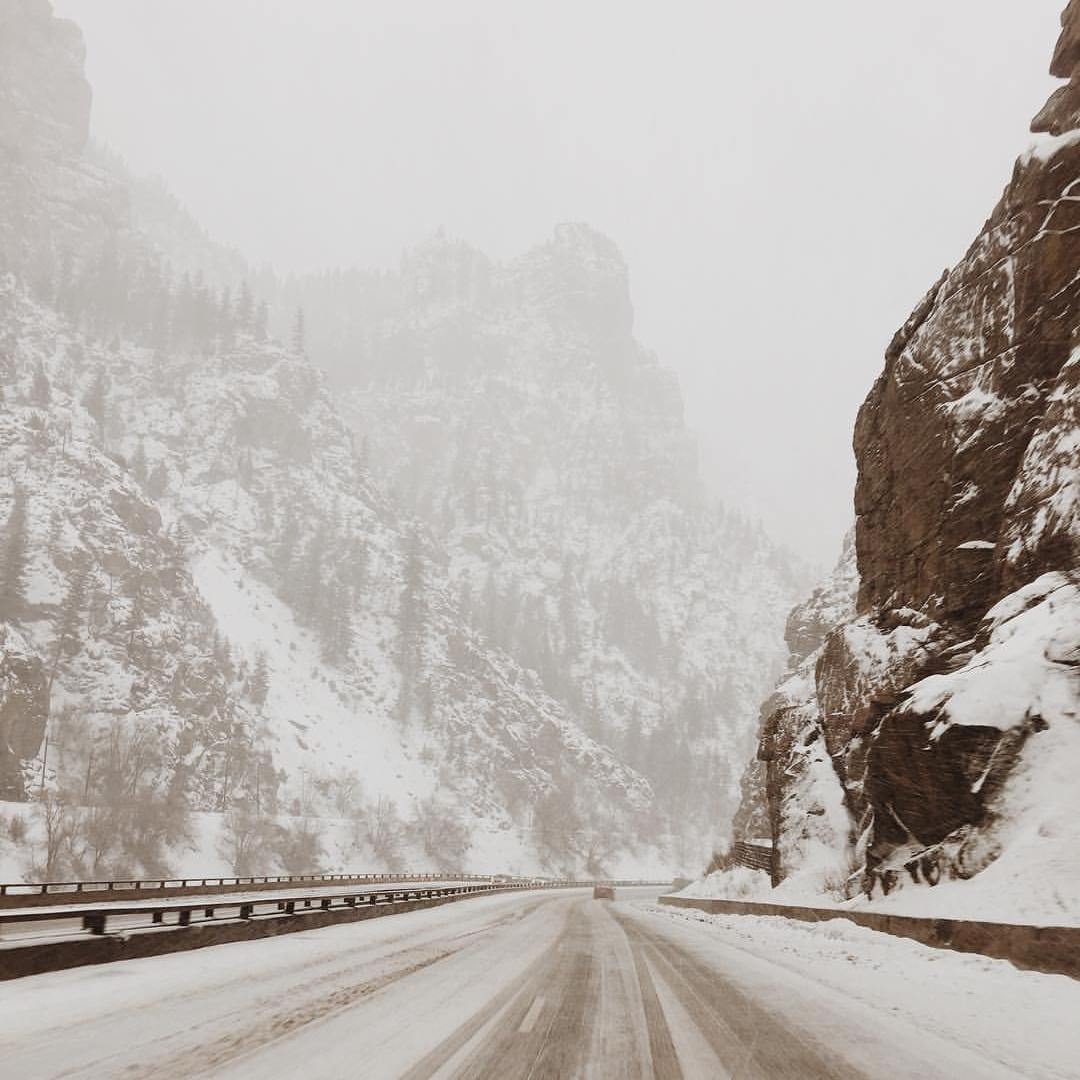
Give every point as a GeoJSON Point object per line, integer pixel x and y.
{"type": "Point", "coordinates": [1023, 1019]}
{"type": "Point", "coordinates": [1022, 673]}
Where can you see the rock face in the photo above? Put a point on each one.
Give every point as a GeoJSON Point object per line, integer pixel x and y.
{"type": "Point", "coordinates": [792, 792]}
{"type": "Point", "coordinates": [24, 709]}
{"type": "Point", "coordinates": [50, 206]}
{"type": "Point", "coordinates": [967, 545]}
{"type": "Point", "coordinates": [44, 118]}
{"type": "Point", "coordinates": [1062, 112]}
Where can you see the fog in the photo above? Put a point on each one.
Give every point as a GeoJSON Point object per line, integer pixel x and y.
{"type": "Point", "coordinates": [785, 180]}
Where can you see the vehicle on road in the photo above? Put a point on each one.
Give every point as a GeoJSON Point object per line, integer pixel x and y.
{"type": "Point", "coordinates": [603, 892]}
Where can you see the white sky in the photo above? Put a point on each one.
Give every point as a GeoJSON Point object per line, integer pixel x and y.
{"type": "Point", "coordinates": [785, 178]}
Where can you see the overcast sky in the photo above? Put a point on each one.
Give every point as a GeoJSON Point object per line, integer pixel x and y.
{"type": "Point", "coordinates": [785, 178]}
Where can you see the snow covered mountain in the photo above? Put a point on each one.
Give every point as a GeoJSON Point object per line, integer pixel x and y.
{"type": "Point", "coordinates": [206, 603]}
{"type": "Point", "coordinates": [543, 634]}
{"type": "Point", "coordinates": [934, 730]}
{"type": "Point", "coordinates": [510, 408]}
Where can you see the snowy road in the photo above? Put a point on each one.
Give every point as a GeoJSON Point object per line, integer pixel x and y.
{"type": "Point", "coordinates": [546, 985]}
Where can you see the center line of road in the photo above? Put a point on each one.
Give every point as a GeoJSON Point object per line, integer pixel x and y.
{"type": "Point", "coordinates": [532, 1015]}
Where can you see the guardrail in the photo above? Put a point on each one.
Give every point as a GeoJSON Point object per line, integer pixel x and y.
{"type": "Point", "coordinates": [95, 917]}
{"type": "Point", "coordinates": [18, 894]}
{"type": "Point", "coordinates": [29, 894]}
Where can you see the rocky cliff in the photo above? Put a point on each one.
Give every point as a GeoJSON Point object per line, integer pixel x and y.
{"type": "Point", "coordinates": [949, 701]}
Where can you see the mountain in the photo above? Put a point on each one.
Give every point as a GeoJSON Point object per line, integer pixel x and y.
{"type": "Point", "coordinates": [947, 699]}
{"type": "Point", "coordinates": [206, 603]}
{"type": "Point", "coordinates": [509, 407]}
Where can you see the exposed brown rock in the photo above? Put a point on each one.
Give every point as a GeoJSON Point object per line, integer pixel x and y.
{"type": "Point", "coordinates": [942, 435]}
{"type": "Point", "coordinates": [24, 710]}
{"type": "Point", "coordinates": [1067, 54]}
{"type": "Point", "coordinates": [968, 493]}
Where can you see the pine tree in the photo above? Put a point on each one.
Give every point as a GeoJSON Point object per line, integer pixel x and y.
{"type": "Point", "coordinates": [245, 308]}
{"type": "Point", "coordinates": [335, 623]}
{"type": "Point", "coordinates": [632, 737]}
{"type": "Point", "coordinates": [568, 608]}
{"type": "Point", "coordinates": [411, 616]}
{"type": "Point", "coordinates": [310, 591]}
{"type": "Point", "coordinates": [226, 326]}
{"type": "Point", "coordinates": [70, 620]}
{"type": "Point", "coordinates": [245, 469]}
{"type": "Point", "coordinates": [262, 322]}
{"type": "Point", "coordinates": [259, 682]}
{"type": "Point", "coordinates": [41, 388]}
{"type": "Point", "coordinates": [491, 609]}
{"type": "Point", "coordinates": [138, 463]}
{"type": "Point", "coordinates": [356, 564]}
{"type": "Point", "coordinates": [412, 607]}
{"type": "Point", "coordinates": [285, 554]}
{"type": "Point", "coordinates": [14, 559]}
{"type": "Point", "coordinates": [223, 656]}
{"type": "Point", "coordinates": [96, 402]}
{"type": "Point", "coordinates": [299, 334]}
{"type": "Point", "coordinates": [157, 482]}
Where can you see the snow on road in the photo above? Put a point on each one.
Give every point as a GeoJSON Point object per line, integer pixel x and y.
{"type": "Point", "coordinates": [548, 985]}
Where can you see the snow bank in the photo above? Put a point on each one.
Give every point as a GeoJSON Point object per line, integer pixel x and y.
{"type": "Point", "coordinates": [1028, 670]}
{"type": "Point", "coordinates": [1023, 1019]}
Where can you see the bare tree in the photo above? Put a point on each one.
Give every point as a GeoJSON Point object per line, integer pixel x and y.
{"type": "Point", "coordinates": [299, 847]}
{"type": "Point", "coordinates": [245, 841]}
{"type": "Point", "coordinates": [439, 830]}
{"type": "Point", "coordinates": [51, 856]}
{"type": "Point", "coordinates": [385, 832]}
{"type": "Point", "coordinates": [346, 790]}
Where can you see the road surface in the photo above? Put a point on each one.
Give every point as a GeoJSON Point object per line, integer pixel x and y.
{"type": "Point", "coordinates": [541, 985]}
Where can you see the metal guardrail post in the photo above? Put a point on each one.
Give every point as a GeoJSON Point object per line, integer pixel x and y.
{"type": "Point", "coordinates": [94, 922]}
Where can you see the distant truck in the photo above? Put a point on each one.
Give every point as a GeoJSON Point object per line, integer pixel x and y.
{"type": "Point", "coordinates": [603, 892]}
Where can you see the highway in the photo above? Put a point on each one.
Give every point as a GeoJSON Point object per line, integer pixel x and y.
{"type": "Point", "coordinates": [525, 985]}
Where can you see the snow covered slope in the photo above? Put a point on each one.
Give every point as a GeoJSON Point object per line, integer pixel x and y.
{"type": "Point", "coordinates": [511, 409]}
{"type": "Point", "coordinates": [205, 602]}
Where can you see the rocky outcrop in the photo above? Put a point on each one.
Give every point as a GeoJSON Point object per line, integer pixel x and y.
{"type": "Point", "coordinates": [967, 545]}
{"type": "Point", "coordinates": [44, 118]}
{"type": "Point", "coordinates": [49, 206]}
{"type": "Point", "coordinates": [24, 709]}
{"type": "Point", "coordinates": [792, 791]}
{"type": "Point", "coordinates": [1062, 112]}
{"type": "Point", "coordinates": [941, 440]}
